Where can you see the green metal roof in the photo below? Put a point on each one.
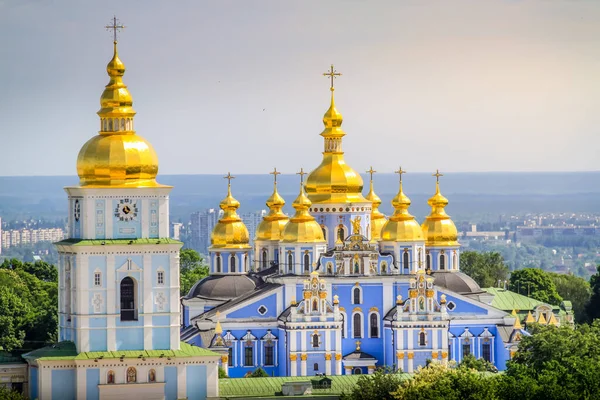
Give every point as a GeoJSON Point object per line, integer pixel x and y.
{"type": "Point", "coordinates": [111, 242]}
{"type": "Point", "coordinates": [67, 351]}
{"type": "Point", "coordinates": [508, 301]}
{"type": "Point", "coordinates": [247, 387]}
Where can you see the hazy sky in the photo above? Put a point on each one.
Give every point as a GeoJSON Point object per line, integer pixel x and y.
{"type": "Point", "coordinates": [456, 85]}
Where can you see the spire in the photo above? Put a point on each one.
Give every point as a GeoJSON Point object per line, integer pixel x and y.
{"type": "Point", "coordinates": [378, 219]}
{"type": "Point", "coordinates": [541, 319]}
{"type": "Point", "coordinates": [302, 202]}
{"type": "Point", "coordinates": [517, 324]}
{"type": "Point", "coordinates": [332, 118]}
{"type": "Point", "coordinates": [529, 318]}
{"type": "Point", "coordinates": [271, 227]}
{"type": "Point", "coordinates": [401, 226]}
{"type": "Point", "coordinates": [438, 228]}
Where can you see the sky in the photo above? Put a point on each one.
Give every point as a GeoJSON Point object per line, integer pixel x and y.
{"type": "Point", "coordinates": [461, 85]}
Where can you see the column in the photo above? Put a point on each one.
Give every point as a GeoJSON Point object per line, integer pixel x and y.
{"type": "Point", "coordinates": [371, 369]}
{"type": "Point", "coordinates": [181, 382]}
{"type": "Point", "coordinates": [338, 364]}
{"type": "Point", "coordinates": [400, 360]}
{"type": "Point", "coordinates": [328, 363]}
{"type": "Point", "coordinates": [293, 365]}
{"type": "Point", "coordinates": [111, 294]}
{"type": "Point", "coordinates": [44, 383]}
{"type": "Point", "coordinates": [80, 386]}
{"type": "Point", "coordinates": [212, 379]}
{"type": "Point", "coordinates": [303, 364]}
{"type": "Point", "coordinates": [410, 368]}
{"type": "Point", "coordinates": [225, 364]}
{"type": "Point", "coordinates": [348, 370]}
{"type": "Point", "coordinates": [147, 306]}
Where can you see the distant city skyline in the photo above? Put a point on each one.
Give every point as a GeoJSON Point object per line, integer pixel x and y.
{"type": "Point", "coordinates": [460, 86]}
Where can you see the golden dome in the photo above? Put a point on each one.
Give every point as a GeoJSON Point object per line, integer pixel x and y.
{"type": "Point", "coordinates": [230, 231]}
{"type": "Point", "coordinates": [302, 227]}
{"type": "Point", "coordinates": [117, 157]}
{"type": "Point", "coordinates": [401, 226]}
{"type": "Point", "coordinates": [378, 219]}
{"type": "Point", "coordinates": [438, 228]}
{"type": "Point", "coordinates": [271, 227]}
{"type": "Point", "coordinates": [333, 181]}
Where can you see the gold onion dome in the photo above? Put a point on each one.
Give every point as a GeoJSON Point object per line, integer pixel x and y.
{"type": "Point", "coordinates": [271, 227]}
{"type": "Point", "coordinates": [230, 231]}
{"type": "Point", "coordinates": [333, 181]}
{"type": "Point", "coordinates": [117, 157]}
{"type": "Point", "coordinates": [302, 227]}
{"type": "Point", "coordinates": [378, 219]}
{"type": "Point", "coordinates": [401, 226]}
{"type": "Point", "coordinates": [438, 228]}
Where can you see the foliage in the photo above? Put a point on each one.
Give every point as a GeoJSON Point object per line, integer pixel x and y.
{"type": "Point", "coordinates": [574, 289]}
{"type": "Point", "coordinates": [40, 269]}
{"type": "Point", "coordinates": [7, 394]}
{"type": "Point", "coordinates": [555, 363]}
{"type": "Point", "coordinates": [222, 373]}
{"type": "Point", "coordinates": [192, 269]}
{"type": "Point", "coordinates": [439, 381]}
{"type": "Point", "coordinates": [535, 283]}
{"type": "Point", "coordinates": [477, 364]}
{"type": "Point", "coordinates": [12, 320]}
{"type": "Point", "coordinates": [258, 373]}
{"type": "Point", "coordinates": [380, 385]}
{"type": "Point", "coordinates": [485, 268]}
{"type": "Point", "coordinates": [592, 308]}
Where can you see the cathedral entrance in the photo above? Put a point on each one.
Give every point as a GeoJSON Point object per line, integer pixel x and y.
{"type": "Point", "coordinates": [128, 312]}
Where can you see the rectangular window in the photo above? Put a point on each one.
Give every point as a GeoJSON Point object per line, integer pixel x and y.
{"type": "Point", "coordinates": [161, 277]}
{"type": "Point", "coordinates": [97, 279]}
{"type": "Point", "coordinates": [466, 348]}
{"type": "Point", "coordinates": [486, 351]}
{"type": "Point", "coordinates": [248, 357]}
{"type": "Point", "coordinates": [230, 359]}
{"type": "Point", "coordinates": [269, 355]}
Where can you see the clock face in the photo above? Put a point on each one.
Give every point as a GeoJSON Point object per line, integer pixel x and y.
{"type": "Point", "coordinates": [126, 210]}
{"type": "Point", "coordinates": [77, 210]}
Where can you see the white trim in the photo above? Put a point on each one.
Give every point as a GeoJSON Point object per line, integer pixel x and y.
{"type": "Point", "coordinates": [379, 332]}
{"type": "Point", "coordinates": [360, 294]}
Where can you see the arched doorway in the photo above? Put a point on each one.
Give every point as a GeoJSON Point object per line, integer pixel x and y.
{"type": "Point", "coordinates": [128, 312]}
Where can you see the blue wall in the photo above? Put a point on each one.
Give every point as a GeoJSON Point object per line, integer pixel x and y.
{"type": "Point", "coordinates": [92, 377]}
{"type": "Point", "coordinates": [161, 338]}
{"type": "Point", "coordinates": [63, 384]}
{"type": "Point", "coordinates": [130, 339]}
{"type": "Point", "coordinates": [33, 382]}
{"type": "Point", "coordinates": [170, 383]}
{"type": "Point", "coordinates": [196, 382]}
{"type": "Point", "coordinates": [98, 340]}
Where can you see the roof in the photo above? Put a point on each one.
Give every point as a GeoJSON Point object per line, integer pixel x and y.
{"type": "Point", "coordinates": [359, 355]}
{"type": "Point", "coordinates": [7, 358]}
{"type": "Point", "coordinates": [457, 282]}
{"type": "Point", "coordinates": [67, 351]}
{"type": "Point", "coordinates": [508, 301]}
{"type": "Point", "coordinates": [113, 242]}
{"type": "Point", "coordinates": [222, 286]}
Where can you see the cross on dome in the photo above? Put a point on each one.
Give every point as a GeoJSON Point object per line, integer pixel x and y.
{"type": "Point", "coordinates": [301, 173]}
{"type": "Point", "coordinates": [275, 173]}
{"type": "Point", "coordinates": [400, 172]}
{"type": "Point", "coordinates": [116, 27]}
{"type": "Point", "coordinates": [229, 177]}
{"type": "Point", "coordinates": [332, 74]}
{"type": "Point", "coordinates": [437, 175]}
{"type": "Point", "coordinates": [371, 171]}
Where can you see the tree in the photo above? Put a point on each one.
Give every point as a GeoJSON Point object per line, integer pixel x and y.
{"type": "Point", "coordinates": [592, 308]}
{"type": "Point", "coordinates": [13, 314]}
{"type": "Point", "coordinates": [380, 385]}
{"type": "Point", "coordinates": [477, 364]}
{"type": "Point", "coordinates": [192, 269]}
{"type": "Point", "coordinates": [485, 268]}
{"type": "Point", "coordinates": [259, 373]}
{"type": "Point", "coordinates": [574, 289]}
{"type": "Point", "coordinates": [7, 394]}
{"type": "Point", "coordinates": [535, 283]}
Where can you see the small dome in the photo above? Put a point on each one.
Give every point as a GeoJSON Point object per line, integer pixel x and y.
{"type": "Point", "coordinates": [438, 228]}
{"type": "Point", "coordinates": [302, 227]}
{"type": "Point", "coordinates": [458, 282]}
{"type": "Point", "coordinates": [272, 225]}
{"type": "Point", "coordinates": [222, 287]}
{"type": "Point", "coordinates": [401, 226]}
{"type": "Point", "coordinates": [230, 231]}
{"type": "Point", "coordinates": [378, 219]}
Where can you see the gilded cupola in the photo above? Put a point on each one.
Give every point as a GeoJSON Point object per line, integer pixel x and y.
{"type": "Point", "coordinates": [117, 156]}
{"type": "Point", "coordinates": [378, 219]}
{"type": "Point", "coordinates": [438, 228]}
{"type": "Point", "coordinates": [401, 226]}
{"type": "Point", "coordinates": [302, 227]}
{"type": "Point", "coordinates": [230, 232]}
{"type": "Point", "coordinates": [333, 181]}
{"type": "Point", "coordinates": [271, 227]}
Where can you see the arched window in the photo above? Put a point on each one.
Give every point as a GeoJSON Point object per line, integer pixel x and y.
{"type": "Point", "coordinates": [357, 328]}
{"type": "Point", "coordinates": [454, 261]}
{"type": "Point", "coordinates": [122, 124]}
{"type": "Point", "coordinates": [131, 375]}
{"type": "Point", "coordinates": [110, 377]}
{"type": "Point", "coordinates": [357, 371]}
{"type": "Point", "coordinates": [316, 367]}
{"type": "Point", "coordinates": [428, 260]}
{"type": "Point", "coordinates": [373, 325]}
{"type": "Point", "coordinates": [442, 261]}
{"type": "Point", "coordinates": [152, 376]}
{"type": "Point", "coordinates": [422, 339]}
{"type": "Point", "coordinates": [343, 314]}
{"type": "Point", "coordinates": [232, 263]}
{"type": "Point", "coordinates": [306, 263]}
{"type": "Point", "coordinates": [315, 305]}
{"type": "Point", "coordinates": [315, 340]}
{"type": "Point", "coordinates": [264, 259]}
{"type": "Point", "coordinates": [245, 262]}
{"type": "Point", "coordinates": [405, 260]}
{"type": "Point", "coordinates": [128, 289]}
{"type": "Point", "coordinates": [356, 295]}
{"type": "Point", "coordinates": [290, 262]}
{"type": "Point", "coordinates": [330, 268]}
{"type": "Point", "coordinates": [340, 233]}
{"type": "Point", "coordinates": [218, 259]}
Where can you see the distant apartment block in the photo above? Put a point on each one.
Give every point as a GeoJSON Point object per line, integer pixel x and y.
{"type": "Point", "coordinates": [176, 228]}
{"type": "Point", "coordinates": [530, 233]}
{"type": "Point", "coordinates": [252, 220]}
{"type": "Point", "coordinates": [23, 237]}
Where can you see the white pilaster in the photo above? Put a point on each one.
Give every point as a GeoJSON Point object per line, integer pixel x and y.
{"type": "Point", "coordinates": [81, 383]}
{"type": "Point", "coordinates": [293, 365]}
{"type": "Point", "coordinates": [44, 383]}
{"type": "Point", "coordinates": [212, 380]}
{"type": "Point", "coordinates": [147, 306]}
{"type": "Point", "coordinates": [303, 364]}
{"type": "Point", "coordinates": [181, 382]}
{"type": "Point", "coordinates": [145, 218]}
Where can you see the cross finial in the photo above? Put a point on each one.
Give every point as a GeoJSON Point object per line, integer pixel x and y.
{"type": "Point", "coordinates": [301, 173]}
{"type": "Point", "coordinates": [400, 172]}
{"type": "Point", "coordinates": [437, 175]}
{"type": "Point", "coordinates": [116, 27]}
{"type": "Point", "coordinates": [275, 173]}
{"type": "Point", "coordinates": [358, 345]}
{"type": "Point", "coordinates": [332, 74]}
{"type": "Point", "coordinates": [229, 177]}
{"type": "Point", "coordinates": [371, 171]}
